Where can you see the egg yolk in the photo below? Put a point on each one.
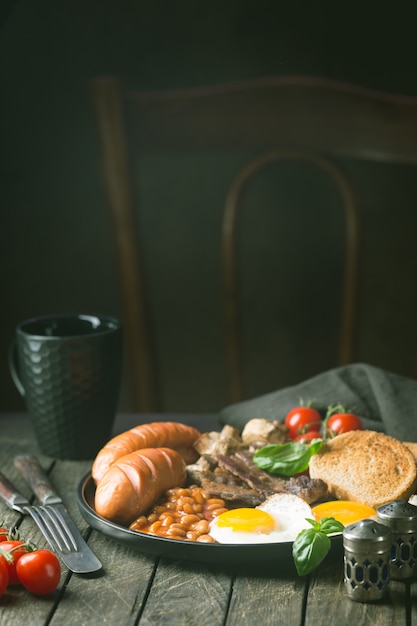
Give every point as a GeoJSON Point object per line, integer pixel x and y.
{"type": "Point", "coordinates": [343, 511]}
{"type": "Point", "coordinates": [246, 520]}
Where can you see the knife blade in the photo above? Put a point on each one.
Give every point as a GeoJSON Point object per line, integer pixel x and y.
{"type": "Point", "coordinates": [10, 495]}
{"type": "Point", "coordinates": [77, 556]}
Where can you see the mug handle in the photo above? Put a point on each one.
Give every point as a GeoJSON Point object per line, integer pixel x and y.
{"type": "Point", "coordinates": [14, 367]}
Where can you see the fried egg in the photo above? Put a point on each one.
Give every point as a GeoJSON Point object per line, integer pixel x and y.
{"type": "Point", "coordinates": [280, 518]}
{"type": "Point", "coordinates": [344, 511]}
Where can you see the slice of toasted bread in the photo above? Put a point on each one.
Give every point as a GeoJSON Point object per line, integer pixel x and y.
{"type": "Point", "coordinates": [366, 466]}
{"type": "Point", "coordinates": [412, 446]}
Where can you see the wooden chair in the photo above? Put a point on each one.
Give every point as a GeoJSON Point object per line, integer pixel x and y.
{"type": "Point", "coordinates": [282, 118]}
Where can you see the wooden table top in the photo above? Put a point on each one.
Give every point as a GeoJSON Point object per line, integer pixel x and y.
{"type": "Point", "coordinates": [134, 588]}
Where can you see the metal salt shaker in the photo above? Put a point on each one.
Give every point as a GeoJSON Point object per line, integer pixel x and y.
{"type": "Point", "coordinates": [367, 551]}
{"type": "Point", "coordinates": [401, 517]}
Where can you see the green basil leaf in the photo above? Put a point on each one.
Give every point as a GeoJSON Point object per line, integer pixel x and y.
{"type": "Point", "coordinates": [286, 459]}
{"type": "Point", "coordinates": [312, 544]}
{"type": "Point", "coordinates": [329, 525]}
{"type": "Point", "coordinates": [309, 549]}
{"type": "Point", "coordinates": [315, 524]}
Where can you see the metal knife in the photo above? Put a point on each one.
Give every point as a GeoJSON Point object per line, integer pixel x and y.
{"type": "Point", "coordinates": [70, 545]}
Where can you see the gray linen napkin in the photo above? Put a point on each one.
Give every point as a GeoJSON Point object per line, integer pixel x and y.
{"type": "Point", "coordinates": [385, 401]}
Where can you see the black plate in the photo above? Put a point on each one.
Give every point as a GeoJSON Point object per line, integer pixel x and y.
{"type": "Point", "coordinates": [214, 553]}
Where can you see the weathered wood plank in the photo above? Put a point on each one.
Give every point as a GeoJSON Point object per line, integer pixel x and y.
{"type": "Point", "coordinates": [9, 449]}
{"type": "Point", "coordinates": [115, 595]}
{"type": "Point", "coordinates": [18, 607]}
{"type": "Point", "coordinates": [268, 599]}
{"type": "Point", "coordinates": [187, 594]}
{"type": "Point", "coordinates": [411, 591]}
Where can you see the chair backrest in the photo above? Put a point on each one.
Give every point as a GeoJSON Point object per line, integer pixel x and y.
{"type": "Point", "coordinates": [287, 118]}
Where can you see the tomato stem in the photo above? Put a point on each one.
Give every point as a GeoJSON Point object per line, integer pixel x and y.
{"type": "Point", "coordinates": [10, 534]}
{"type": "Point", "coordinates": [7, 555]}
{"type": "Point", "coordinates": [27, 546]}
{"type": "Point", "coordinates": [303, 429]}
{"type": "Point", "coordinates": [308, 404]}
{"type": "Point", "coordinates": [335, 408]}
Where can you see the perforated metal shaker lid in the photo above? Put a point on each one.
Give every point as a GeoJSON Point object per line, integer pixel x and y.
{"type": "Point", "coordinates": [367, 534]}
{"type": "Point", "coordinates": [400, 516]}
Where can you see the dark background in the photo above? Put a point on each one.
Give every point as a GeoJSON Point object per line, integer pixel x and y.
{"type": "Point", "coordinates": [56, 249]}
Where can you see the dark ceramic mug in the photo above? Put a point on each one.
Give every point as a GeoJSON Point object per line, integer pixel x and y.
{"type": "Point", "coordinates": [68, 369]}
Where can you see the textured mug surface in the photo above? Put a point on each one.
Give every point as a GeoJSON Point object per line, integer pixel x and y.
{"type": "Point", "coordinates": [68, 368]}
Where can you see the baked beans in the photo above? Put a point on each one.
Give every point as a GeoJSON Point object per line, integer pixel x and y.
{"type": "Point", "coordinates": [183, 513]}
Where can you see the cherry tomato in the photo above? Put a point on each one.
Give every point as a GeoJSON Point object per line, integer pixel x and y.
{"type": "Point", "coordinates": [4, 575]}
{"type": "Point", "coordinates": [302, 419]}
{"type": "Point", "coordinates": [4, 533]}
{"type": "Point", "coordinates": [16, 552]}
{"type": "Point", "coordinates": [309, 436]}
{"type": "Point", "coordinates": [343, 422]}
{"type": "Point", "coordinates": [39, 571]}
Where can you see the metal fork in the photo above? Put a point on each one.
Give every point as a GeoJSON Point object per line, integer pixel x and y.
{"type": "Point", "coordinates": [59, 531]}
{"type": "Point", "coordinates": [53, 527]}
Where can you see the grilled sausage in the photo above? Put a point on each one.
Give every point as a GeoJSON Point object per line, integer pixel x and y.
{"type": "Point", "coordinates": [154, 435]}
{"type": "Point", "coordinates": [136, 481]}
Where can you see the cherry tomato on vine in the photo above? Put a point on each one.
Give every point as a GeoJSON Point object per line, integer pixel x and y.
{"type": "Point", "coordinates": [17, 550]}
{"type": "Point", "coordinates": [4, 575]}
{"type": "Point", "coordinates": [302, 419]}
{"type": "Point", "coordinates": [39, 571]}
{"type": "Point", "coordinates": [4, 533]}
{"type": "Point", "coordinates": [309, 436]}
{"type": "Point", "coordinates": [343, 422]}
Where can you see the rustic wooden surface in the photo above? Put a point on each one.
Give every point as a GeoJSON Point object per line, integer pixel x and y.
{"type": "Point", "coordinates": [140, 589]}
